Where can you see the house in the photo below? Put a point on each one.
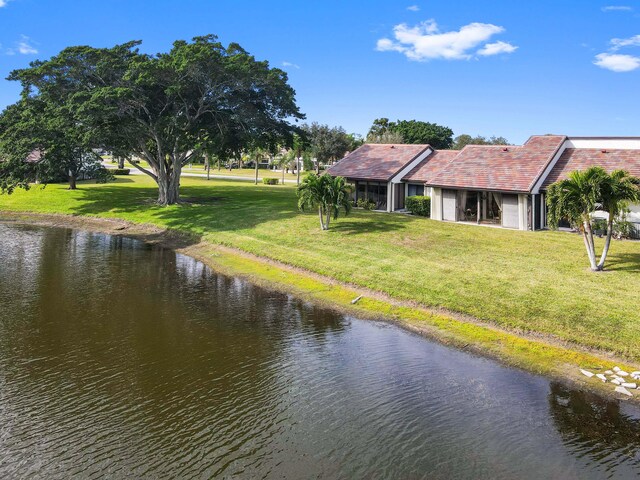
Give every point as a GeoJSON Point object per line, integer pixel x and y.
{"type": "Point", "coordinates": [500, 185]}
{"type": "Point", "coordinates": [496, 184]}
{"type": "Point", "coordinates": [388, 173]}
{"type": "Point", "coordinates": [506, 185]}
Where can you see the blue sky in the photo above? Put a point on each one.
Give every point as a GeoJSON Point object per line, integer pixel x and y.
{"type": "Point", "coordinates": [491, 68]}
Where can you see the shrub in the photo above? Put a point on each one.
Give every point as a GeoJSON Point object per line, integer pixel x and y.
{"type": "Point", "coordinates": [270, 181]}
{"type": "Point", "coordinates": [366, 203]}
{"type": "Point", "coordinates": [121, 171]}
{"type": "Point", "coordinates": [419, 205]}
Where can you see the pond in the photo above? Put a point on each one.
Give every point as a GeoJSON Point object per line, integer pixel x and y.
{"type": "Point", "coordinates": [124, 360]}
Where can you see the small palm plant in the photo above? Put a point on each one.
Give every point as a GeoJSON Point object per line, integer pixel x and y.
{"type": "Point", "coordinates": [575, 198]}
{"type": "Point", "coordinates": [584, 192]}
{"type": "Point", "coordinates": [330, 195]}
{"type": "Point", "coordinates": [618, 190]}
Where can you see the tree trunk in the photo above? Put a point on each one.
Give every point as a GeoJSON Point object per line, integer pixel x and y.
{"type": "Point", "coordinates": [283, 174]}
{"type": "Point", "coordinates": [207, 162]}
{"type": "Point", "coordinates": [298, 170]}
{"type": "Point", "coordinates": [256, 171]}
{"type": "Point", "coordinates": [120, 162]}
{"type": "Point", "coordinates": [328, 218]}
{"type": "Point", "coordinates": [321, 215]}
{"type": "Point", "coordinates": [607, 243]}
{"type": "Point", "coordinates": [588, 242]}
{"type": "Point", "coordinates": [72, 181]}
{"type": "Point", "coordinates": [169, 185]}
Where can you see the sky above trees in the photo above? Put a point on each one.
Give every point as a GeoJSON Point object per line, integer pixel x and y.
{"type": "Point", "coordinates": [501, 68]}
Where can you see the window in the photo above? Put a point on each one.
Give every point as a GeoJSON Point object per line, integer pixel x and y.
{"type": "Point", "coordinates": [415, 190]}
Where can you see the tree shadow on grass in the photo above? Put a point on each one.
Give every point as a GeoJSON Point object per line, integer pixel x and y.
{"type": "Point", "coordinates": [377, 224]}
{"type": "Point", "coordinates": [208, 209]}
{"type": "Point", "coordinates": [623, 262]}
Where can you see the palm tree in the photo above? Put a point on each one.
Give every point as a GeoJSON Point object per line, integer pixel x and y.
{"type": "Point", "coordinates": [617, 190]}
{"type": "Point", "coordinates": [575, 198]}
{"type": "Point", "coordinates": [328, 194]}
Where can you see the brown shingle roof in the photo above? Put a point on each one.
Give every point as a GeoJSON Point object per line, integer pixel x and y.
{"type": "Point", "coordinates": [430, 166]}
{"type": "Point", "coordinates": [582, 158]}
{"type": "Point", "coordinates": [502, 168]}
{"type": "Point", "coordinates": [376, 161]}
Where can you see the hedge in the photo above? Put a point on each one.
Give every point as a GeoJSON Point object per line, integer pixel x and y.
{"type": "Point", "coordinates": [270, 181]}
{"type": "Point", "coordinates": [419, 205]}
{"type": "Point", "coordinates": [121, 171]}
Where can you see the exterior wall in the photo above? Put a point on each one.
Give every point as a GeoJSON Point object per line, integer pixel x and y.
{"type": "Point", "coordinates": [450, 205]}
{"type": "Point", "coordinates": [523, 212]}
{"type": "Point", "coordinates": [436, 203]}
{"type": "Point", "coordinates": [510, 211]}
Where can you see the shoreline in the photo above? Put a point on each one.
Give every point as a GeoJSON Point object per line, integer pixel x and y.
{"type": "Point", "coordinates": [535, 353]}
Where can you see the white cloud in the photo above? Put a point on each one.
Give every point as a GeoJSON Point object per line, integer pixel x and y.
{"type": "Point", "coordinates": [617, 62]}
{"type": "Point", "coordinates": [413, 8]}
{"type": "Point", "coordinates": [25, 47]}
{"type": "Point", "coordinates": [618, 43]}
{"type": "Point", "coordinates": [497, 48]}
{"type": "Point", "coordinates": [289, 64]}
{"type": "Point", "coordinates": [617, 8]}
{"type": "Point", "coordinates": [3, 3]}
{"type": "Point", "coordinates": [425, 41]}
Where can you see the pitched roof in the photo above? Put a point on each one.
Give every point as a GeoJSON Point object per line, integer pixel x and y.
{"type": "Point", "coordinates": [376, 161]}
{"type": "Point", "coordinates": [503, 168]}
{"type": "Point", "coordinates": [430, 166]}
{"type": "Point", "coordinates": [582, 158]}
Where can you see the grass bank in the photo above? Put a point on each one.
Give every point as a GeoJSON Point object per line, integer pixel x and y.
{"type": "Point", "coordinates": [529, 284]}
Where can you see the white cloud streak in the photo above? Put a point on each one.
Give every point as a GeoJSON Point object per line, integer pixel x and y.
{"type": "Point", "coordinates": [289, 64]}
{"type": "Point", "coordinates": [412, 8]}
{"type": "Point", "coordinates": [617, 62]}
{"type": "Point", "coordinates": [497, 48]}
{"type": "Point", "coordinates": [618, 43]}
{"type": "Point", "coordinates": [425, 41]}
{"type": "Point", "coordinates": [617, 8]}
{"type": "Point", "coordinates": [25, 47]}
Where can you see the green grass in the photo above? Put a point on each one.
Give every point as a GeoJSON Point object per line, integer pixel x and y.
{"type": "Point", "coordinates": [527, 281]}
{"type": "Point", "coordinates": [240, 172]}
{"type": "Point", "coordinates": [236, 172]}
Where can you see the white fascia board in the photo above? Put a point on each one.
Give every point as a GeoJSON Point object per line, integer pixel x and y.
{"type": "Point", "coordinates": [536, 188]}
{"type": "Point", "coordinates": [613, 143]}
{"type": "Point", "coordinates": [399, 176]}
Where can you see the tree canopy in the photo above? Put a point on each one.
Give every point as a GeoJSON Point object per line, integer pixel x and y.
{"type": "Point", "coordinates": [170, 107]}
{"type": "Point", "coordinates": [463, 140]}
{"type": "Point", "coordinates": [412, 131]}
{"type": "Point", "coordinates": [327, 144]}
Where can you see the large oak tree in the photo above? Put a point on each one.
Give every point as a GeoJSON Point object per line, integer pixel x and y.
{"type": "Point", "coordinates": [170, 107]}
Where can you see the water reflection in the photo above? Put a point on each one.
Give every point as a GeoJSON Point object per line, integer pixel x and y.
{"type": "Point", "coordinates": [124, 360]}
{"type": "Point", "coordinates": [596, 428]}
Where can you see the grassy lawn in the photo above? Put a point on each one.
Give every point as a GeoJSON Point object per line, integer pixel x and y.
{"type": "Point", "coordinates": [536, 282]}
{"type": "Point", "coordinates": [236, 172]}
{"type": "Point", "coordinates": [240, 172]}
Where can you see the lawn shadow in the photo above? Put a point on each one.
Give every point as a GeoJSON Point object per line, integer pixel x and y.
{"type": "Point", "coordinates": [205, 209]}
{"type": "Point", "coordinates": [372, 224]}
{"type": "Point", "coordinates": [623, 262]}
